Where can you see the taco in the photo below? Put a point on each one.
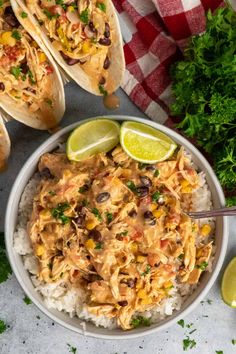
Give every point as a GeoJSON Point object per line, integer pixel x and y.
{"type": "Point", "coordinates": [31, 88]}
{"type": "Point", "coordinates": [84, 37]}
{"type": "Point", "coordinates": [5, 145]}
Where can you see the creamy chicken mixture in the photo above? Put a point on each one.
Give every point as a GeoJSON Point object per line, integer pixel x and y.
{"type": "Point", "coordinates": [116, 229]}
{"type": "Point", "coordinates": [24, 68]}
{"type": "Point", "coordinates": [80, 31]}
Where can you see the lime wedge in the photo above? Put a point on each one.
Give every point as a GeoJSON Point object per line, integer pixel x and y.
{"type": "Point", "coordinates": [100, 135]}
{"type": "Point", "coordinates": [144, 143]}
{"type": "Point", "coordinates": [228, 284]}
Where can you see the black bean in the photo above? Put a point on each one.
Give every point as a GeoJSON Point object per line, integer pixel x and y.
{"type": "Point", "coordinates": [148, 214]}
{"type": "Point", "coordinates": [102, 197]}
{"type": "Point", "coordinates": [104, 41]}
{"type": "Point", "coordinates": [145, 180]}
{"type": "Point", "coordinates": [10, 18]}
{"type": "Point", "coordinates": [102, 81]}
{"type": "Point", "coordinates": [123, 303]}
{"type": "Point", "coordinates": [68, 60]}
{"type": "Point", "coordinates": [95, 235]}
{"type": "Point", "coordinates": [24, 68]}
{"type": "Point", "coordinates": [142, 191]}
{"type": "Point", "coordinates": [106, 63]}
{"type": "Point", "coordinates": [2, 86]}
{"type": "Point", "coordinates": [91, 27]}
{"type": "Point", "coordinates": [150, 168]}
{"type": "Point", "coordinates": [107, 32]}
{"type": "Point", "coordinates": [131, 283]}
{"type": "Point", "coordinates": [132, 213]}
{"type": "Point", "coordinates": [46, 173]}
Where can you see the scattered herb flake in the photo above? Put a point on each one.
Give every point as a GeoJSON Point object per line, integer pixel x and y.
{"type": "Point", "coordinates": [202, 266]}
{"type": "Point", "coordinates": [101, 6]}
{"type": "Point", "coordinates": [61, 3]}
{"type": "Point", "coordinates": [209, 301]}
{"type": "Point", "coordinates": [233, 341]}
{"type": "Point", "coordinates": [109, 217]}
{"type": "Point", "coordinates": [33, 81]}
{"type": "Point", "coordinates": [102, 90]}
{"type": "Point", "coordinates": [189, 325]}
{"type": "Point", "coordinates": [3, 326]}
{"type": "Point", "coordinates": [72, 349]}
{"type": "Point", "coordinates": [16, 71]}
{"type": "Point", "coordinates": [96, 212]}
{"type": "Point", "coordinates": [98, 246]}
{"type": "Point", "coordinates": [27, 300]}
{"type": "Point", "coordinates": [49, 14]}
{"type": "Point", "coordinates": [156, 173]}
{"type": "Point", "coordinates": [188, 343]}
{"type": "Point", "coordinates": [5, 269]}
{"type": "Point", "coordinates": [52, 193]}
{"type": "Point", "coordinates": [147, 271]}
{"type": "Point", "coordinates": [181, 256]}
{"type": "Point", "coordinates": [156, 196]}
{"type": "Point", "coordinates": [85, 203]}
{"type": "Point", "coordinates": [58, 213]}
{"type": "Point", "coordinates": [15, 34]}
{"type": "Point", "coordinates": [84, 16]}
{"type": "Point", "coordinates": [131, 186]}
{"type": "Point", "coordinates": [181, 323]}
{"type": "Point", "coordinates": [141, 321]}
{"type": "Point", "coordinates": [24, 14]}
{"type": "Point", "coordinates": [219, 352]}
{"type": "Point", "coordinates": [48, 101]}
{"type": "Point", "coordinates": [38, 317]}
{"type": "Point", "coordinates": [1, 3]}
{"type": "Point", "coordinates": [141, 165]}
{"type": "Point", "coordinates": [192, 331]}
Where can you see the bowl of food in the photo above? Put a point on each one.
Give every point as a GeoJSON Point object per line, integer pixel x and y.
{"type": "Point", "coordinates": [97, 227]}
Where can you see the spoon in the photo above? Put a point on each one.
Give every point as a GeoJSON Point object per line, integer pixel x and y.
{"type": "Point", "coordinates": [211, 213]}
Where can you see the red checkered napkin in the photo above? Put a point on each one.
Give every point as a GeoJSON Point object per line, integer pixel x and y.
{"type": "Point", "coordinates": [160, 30]}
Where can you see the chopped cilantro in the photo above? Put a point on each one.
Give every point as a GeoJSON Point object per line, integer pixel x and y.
{"type": "Point", "coordinates": [61, 3]}
{"type": "Point", "coordinates": [5, 269]}
{"type": "Point", "coordinates": [27, 300]}
{"type": "Point", "coordinates": [102, 90]}
{"type": "Point", "coordinates": [84, 16]}
{"type": "Point", "coordinates": [140, 321]}
{"type": "Point", "coordinates": [1, 3]}
{"type": "Point", "coordinates": [52, 193]}
{"type": "Point", "coordinates": [147, 271]}
{"type": "Point", "coordinates": [109, 217]}
{"type": "Point", "coordinates": [123, 233]}
{"type": "Point", "coordinates": [85, 203]}
{"type": "Point", "coordinates": [202, 266]}
{"type": "Point", "coordinates": [98, 246]}
{"type": "Point", "coordinates": [101, 6]}
{"type": "Point", "coordinates": [16, 71]}
{"type": "Point", "coordinates": [58, 212]}
{"type": "Point", "coordinates": [49, 14]}
{"type": "Point", "coordinates": [24, 14]}
{"type": "Point", "coordinates": [233, 341]}
{"type": "Point", "coordinates": [96, 212]}
{"type": "Point", "coordinates": [72, 349]}
{"type": "Point", "coordinates": [219, 352]}
{"type": "Point", "coordinates": [3, 326]}
{"type": "Point", "coordinates": [48, 101]}
{"type": "Point", "coordinates": [181, 256]}
{"type": "Point", "coordinates": [156, 196]}
{"type": "Point", "coordinates": [194, 330]}
{"type": "Point", "coordinates": [31, 77]}
{"type": "Point", "coordinates": [15, 34]}
{"type": "Point", "coordinates": [38, 317]}
{"type": "Point", "coordinates": [189, 325]}
{"type": "Point", "coordinates": [141, 165]}
{"type": "Point", "coordinates": [131, 186]}
{"type": "Point", "coordinates": [83, 189]}
{"type": "Point", "coordinates": [188, 343]}
{"type": "Point", "coordinates": [181, 323]}
{"type": "Point", "coordinates": [209, 301]}
{"type": "Point", "coordinates": [156, 173]}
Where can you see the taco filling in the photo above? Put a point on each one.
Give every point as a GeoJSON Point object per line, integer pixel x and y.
{"type": "Point", "coordinates": [24, 68]}
{"type": "Point", "coordinates": [81, 32]}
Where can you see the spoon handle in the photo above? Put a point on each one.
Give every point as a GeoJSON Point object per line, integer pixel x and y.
{"type": "Point", "coordinates": [212, 213]}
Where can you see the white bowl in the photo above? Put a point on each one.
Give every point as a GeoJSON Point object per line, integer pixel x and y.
{"type": "Point", "coordinates": [74, 324]}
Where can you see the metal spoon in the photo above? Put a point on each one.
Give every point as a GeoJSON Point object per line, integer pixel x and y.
{"type": "Point", "coordinates": [211, 213]}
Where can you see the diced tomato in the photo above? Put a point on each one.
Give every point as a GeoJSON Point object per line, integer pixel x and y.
{"type": "Point", "coordinates": [49, 69]}
{"type": "Point", "coordinates": [75, 26]}
{"type": "Point", "coordinates": [63, 19]}
{"type": "Point", "coordinates": [137, 236]}
{"type": "Point", "coordinates": [12, 52]}
{"type": "Point", "coordinates": [147, 200]}
{"type": "Point", "coordinates": [164, 243]}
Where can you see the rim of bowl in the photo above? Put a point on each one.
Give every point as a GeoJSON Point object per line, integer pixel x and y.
{"type": "Point", "coordinates": [172, 318]}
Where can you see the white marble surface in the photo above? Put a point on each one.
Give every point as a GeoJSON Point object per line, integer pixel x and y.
{"type": "Point", "coordinates": [31, 332]}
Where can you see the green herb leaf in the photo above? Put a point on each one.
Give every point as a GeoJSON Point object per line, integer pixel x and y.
{"type": "Point", "coordinates": [109, 217]}
{"type": "Point", "coordinates": [27, 300]}
{"type": "Point", "coordinates": [3, 326]}
{"type": "Point", "coordinates": [33, 81]}
{"type": "Point", "coordinates": [15, 34]}
{"type": "Point", "coordinates": [147, 271]}
{"type": "Point", "coordinates": [141, 165]}
{"type": "Point", "coordinates": [72, 349]}
{"type": "Point", "coordinates": [181, 323]}
{"type": "Point", "coordinates": [140, 321]}
{"type": "Point", "coordinates": [49, 14]}
{"type": "Point", "coordinates": [233, 341]}
{"type": "Point", "coordinates": [101, 6]}
{"type": "Point", "coordinates": [48, 101]}
{"type": "Point", "coordinates": [188, 343]}
{"type": "Point", "coordinates": [202, 266]}
{"type": "Point", "coordinates": [58, 213]}
{"type": "Point", "coordinates": [85, 203]}
{"type": "Point", "coordinates": [96, 212]}
{"type": "Point", "coordinates": [16, 71]}
{"type": "Point", "coordinates": [84, 16]}
{"type": "Point", "coordinates": [1, 3]}
{"type": "Point", "coordinates": [219, 352]}
{"type": "Point", "coordinates": [209, 301]}
{"type": "Point", "coordinates": [181, 256]}
{"type": "Point", "coordinates": [24, 14]}
{"type": "Point", "coordinates": [83, 189]}
{"type": "Point", "coordinates": [5, 269]}
{"type": "Point", "coordinates": [52, 193]}
{"type": "Point", "coordinates": [102, 90]}
{"type": "Point", "coordinates": [156, 196]}
{"type": "Point", "coordinates": [61, 3]}
{"type": "Point", "coordinates": [98, 246]}
{"type": "Point", "coordinates": [131, 186]}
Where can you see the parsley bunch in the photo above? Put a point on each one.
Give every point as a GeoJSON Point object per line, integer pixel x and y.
{"type": "Point", "coordinates": [205, 90]}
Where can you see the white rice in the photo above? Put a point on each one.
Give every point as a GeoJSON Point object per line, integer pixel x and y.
{"type": "Point", "coordinates": [59, 296]}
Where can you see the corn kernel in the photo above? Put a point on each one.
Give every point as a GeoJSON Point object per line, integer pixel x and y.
{"type": "Point", "coordinates": [139, 284]}
{"type": "Point", "coordinates": [146, 301]}
{"type": "Point", "coordinates": [91, 225]}
{"type": "Point", "coordinates": [205, 230]}
{"type": "Point", "coordinates": [158, 213]}
{"type": "Point", "coordinates": [187, 189]}
{"type": "Point", "coordinates": [167, 284]}
{"type": "Point", "coordinates": [142, 294]}
{"type": "Point", "coordinates": [71, 8]}
{"type": "Point", "coordinates": [184, 183]}
{"type": "Point", "coordinates": [134, 247]}
{"type": "Point", "coordinates": [140, 259]}
{"type": "Point", "coordinates": [90, 244]}
{"type": "Point", "coordinates": [7, 39]}
{"type": "Point", "coordinates": [42, 57]}
{"type": "Point", "coordinates": [86, 47]}
{"type": "Point", "coordinates": [199, 253]}
{"type": "Point", "coordinates": [117, 306]}
{"type": "Point", "coordinates": [67, 173]}
{"type": "Point", "coordinates": [153, 207]}
{"type": "Point", "coordinates": [39, 250]}
{"type": "Point", "coordinates": [45, 213]}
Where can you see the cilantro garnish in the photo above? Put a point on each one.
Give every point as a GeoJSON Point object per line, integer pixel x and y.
{"type": "Point", "coordinates": [49, 14]}
{"type": "Point", "coordinates": [140, 321]}
{"type": "Point", "coordinates": [102, 90]}
{"type": "Point", "coordinates": [147, 270]}
{"type": "Point", "coordinates": [16, 71]}
{"type": "Point", "coordinates": [84, 16]}
{"type": "Point", "coordinates": [209, 301]}
{"type": "Point", "coordinates": [48, 101]}
{"type": "Point", "coordinates": [233, 341]}
{"type": "Point", "coordinates": [61, 3]}
{"type": "Point", "coordinates": [52, 193]}
{"type": "Point", "coordinates": [58, 212]}
{"type": "Point", "coordinates": [83, 189]}
{"type": "Point", "coordinates": [1, 3]}
{"type": "Point", "coordinates": [123, 233]}
{"type": "Point", "coordinates": [15, 34]}
{"type": "Point", "coordinates": [5, 269]}
{"type": "Point", "coordinates": [29, 72]}
{"type": "Point", "coordinates": [72, 349]}
{"type": "Point", "coordinates": [109, 217]}
{"type": "Point", "coordinates": [188, 343]}
{"type": "Point", "coordinates": [141, 165]}
{"type": "Point", "coordinates": [181, 256]}
{"type": "Point", "coordinates": [156, 196]}
{"type": "Point", "coordinates": [202, 266]}
{"type": "Point", "coordinates": [96, 212]}
{"type": "Point", "coordinates": [3, 326]}
{"type": "Point", "coordinates": [98, 246]}
{"type": "Point", "coordinates": [131, 186]}
{"type": "Point", "coordinates": [85, 203]}
{"type": "Point", "coordinates": [101, 6]}
{"type": "Point", "coordinates": [219, 352]}
{"type": "Point", "coordinates": [156, 173]}
{"type": "Point", "coordinates": [27, 300]}
{"type": "Point", "coordinates": [181, 323]}
{"type": "Point", "coordinates": [24, 14]}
